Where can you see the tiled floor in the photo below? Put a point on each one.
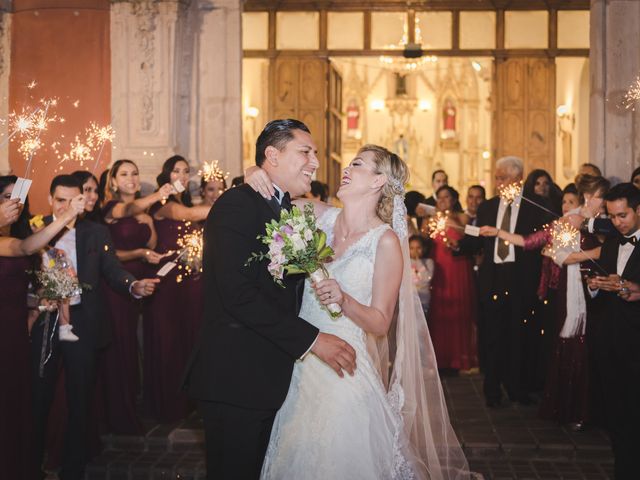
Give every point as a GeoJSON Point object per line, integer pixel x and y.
{"type": "Point", "coordinates": [505, 443]}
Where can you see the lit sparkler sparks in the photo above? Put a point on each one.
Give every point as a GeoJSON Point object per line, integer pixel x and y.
{"type": "Point", "coordinates": [565, 235]}
{"type": "Point", "coordinates": [83, 149]}
{"type": "Point", "coordinates": [99, 136]}
{"type": "Point", "coordinates": [29, 127]}
{"type": "Point", "coordinates": [190, 254]}
{"type": "Point", "coordinates": [210, 172]}
{"type": "Point", "coordinates": [510, 192]}
{"type": "Point", "coordinates": [632, 95]}
{"type": "Point", "coordinates": [437, 224]}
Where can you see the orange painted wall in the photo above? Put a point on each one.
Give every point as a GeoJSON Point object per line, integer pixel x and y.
{"type": "Point", "coordinates": [62, 45]}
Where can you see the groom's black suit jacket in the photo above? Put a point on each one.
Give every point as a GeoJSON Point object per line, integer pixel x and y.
{"type": "Point", "coordinates": [251, 334]}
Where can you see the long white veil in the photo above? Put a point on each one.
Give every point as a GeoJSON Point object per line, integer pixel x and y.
{"type": "Point", "coordinates": [414, 384]}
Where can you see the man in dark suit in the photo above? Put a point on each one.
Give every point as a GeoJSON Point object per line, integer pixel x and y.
{"type": "Point", "coordinates": [251, 336]}
{"type": "Point", "coordinates": [508, 279]}
{"type": "Point", "coordinates": [618, 346]}
{"type": "Point", "coordinates": [88, 247]}
{"type": "Point", "coordinates": [476, 194]}
{"type": "Point", "coordinates": [439, 178]}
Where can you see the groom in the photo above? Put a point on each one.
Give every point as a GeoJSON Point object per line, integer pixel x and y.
{"type": "Point", "coordinates": [241, 367]}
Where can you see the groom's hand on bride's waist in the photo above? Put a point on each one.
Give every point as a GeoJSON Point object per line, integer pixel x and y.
{"type": "Point", "coordinates": [336, 353]}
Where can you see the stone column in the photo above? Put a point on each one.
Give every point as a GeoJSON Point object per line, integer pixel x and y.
{"type": "Point", "coordinates": [176, 82]}
{"type": "Point", "coordinates": [615, 64]}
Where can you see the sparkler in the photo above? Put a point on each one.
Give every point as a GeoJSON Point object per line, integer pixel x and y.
{"type": "Point", "coordinates": [632, 95]}
{"type": "Point", "coordinates": [210, 172]}
{"type": "Point", "coordinates": [82, 149]}
{"type": "Point", "coordinates": [437, 225]}
{"type": "Point", "coordinates": [190, 255]}
{"type": "Point", "coordinates": [564, 236]}
{"type": "Point", "coordinates": [31, 130]}
{"type": "Point", "coordinates": [98, 136]}
{"type": "Point", "coordinates": [510, 192]}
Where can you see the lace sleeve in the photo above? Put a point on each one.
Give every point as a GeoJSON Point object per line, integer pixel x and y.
{"type": "Point", "coordinates": [537, 240]}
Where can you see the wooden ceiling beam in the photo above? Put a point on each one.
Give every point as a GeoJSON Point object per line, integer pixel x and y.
{"type": "Point", "coordinates": [422, 5]}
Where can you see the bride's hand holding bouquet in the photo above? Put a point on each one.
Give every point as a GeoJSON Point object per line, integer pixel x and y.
{"type": "Point", "coordinates": [297, 245]}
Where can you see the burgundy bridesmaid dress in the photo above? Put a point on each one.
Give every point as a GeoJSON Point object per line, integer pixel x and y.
{"type": "Point", "coordinates": [121, 379]}
{"type": "Point", "coordinates": [170, 328]}
{"type": "Point", "coordinates": [15, 374]}
{"type": "Point", "coordinates": [452, 313]}
{"type": "Point", "coordinates": [566, 397]}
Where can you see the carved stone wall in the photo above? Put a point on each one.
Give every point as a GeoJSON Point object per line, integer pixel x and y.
{"type": "Point", "coordinates": [176, 82]}
{"type": "Point", "coordinates": [614, 64]}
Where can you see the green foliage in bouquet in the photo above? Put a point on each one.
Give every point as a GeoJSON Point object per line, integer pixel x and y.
{"type": "Point", "coordinates": [296, 244]}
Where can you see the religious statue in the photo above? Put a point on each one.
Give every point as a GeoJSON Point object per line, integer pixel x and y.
{"type": "Point", "coordinates": [401, 147]}
{"type": "Point", "coordinates": [448, 119]}
{"type": "Point", "coordinates": [353, 119]}
{"type": "Point", "coordinates": [401, 84]}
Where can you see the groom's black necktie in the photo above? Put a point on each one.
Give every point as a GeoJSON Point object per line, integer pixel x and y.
{"type": "Point", "coordinates": [286, 201]}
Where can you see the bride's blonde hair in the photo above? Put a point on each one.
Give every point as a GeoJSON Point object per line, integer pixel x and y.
{"type": "Point", "coordinates": [397, 173]}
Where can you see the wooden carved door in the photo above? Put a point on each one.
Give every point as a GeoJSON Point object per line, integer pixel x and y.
{"type": "Point", "coordinates": [334, 130]}
{"type": "Point", "coordinates": [310, 89]}
{"type": "Point", "coordinates": [525, 111]}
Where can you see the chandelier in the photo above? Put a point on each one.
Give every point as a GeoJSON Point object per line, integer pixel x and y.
{"type": "Point", "coordinates": [412, 58]}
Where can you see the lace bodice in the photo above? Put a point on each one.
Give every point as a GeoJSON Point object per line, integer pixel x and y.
{"type": "Point", "coordinates": [354, 272]}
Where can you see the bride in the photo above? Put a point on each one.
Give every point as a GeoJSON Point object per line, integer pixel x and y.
{"type": "Point", "coordinates": [366, 426]}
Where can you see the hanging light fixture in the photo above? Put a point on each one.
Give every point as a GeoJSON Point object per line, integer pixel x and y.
{"type": "Point", "coordinates": [413, 57]}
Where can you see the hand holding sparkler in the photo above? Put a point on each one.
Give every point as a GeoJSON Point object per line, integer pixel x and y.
{"type": "Point", "coordinates": [152, 257]}
{"type": "Point", "coordinates": [437, 225]}
{"type": "Point", "coordinates": [9, 212]}
{"type": "Point", "coordinates": [144, 287]}
{"type": "Point", "coordinates": [164, 192]}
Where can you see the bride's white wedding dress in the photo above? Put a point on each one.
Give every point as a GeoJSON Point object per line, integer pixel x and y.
{"type": "Point", "coordinates": [339, 428]}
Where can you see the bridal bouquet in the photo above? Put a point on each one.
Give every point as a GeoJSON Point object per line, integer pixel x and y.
{"type": "Point", "coordinates": [296, 245]}
{"type": "Point", "coordinates": [57, 278]}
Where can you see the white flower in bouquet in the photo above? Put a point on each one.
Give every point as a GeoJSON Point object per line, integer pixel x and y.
{"type": "Point", "coordinates": [296, 245]}
{"type": "Point", "coordinates": [57, 278]}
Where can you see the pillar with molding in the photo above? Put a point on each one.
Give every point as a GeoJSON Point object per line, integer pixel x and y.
{"type": "Point", "coordinates": [176, 82]}
{"type": "Point", "coordinates": [615, 63]}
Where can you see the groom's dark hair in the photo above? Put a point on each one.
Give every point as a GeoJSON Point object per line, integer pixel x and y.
{"type": "Point", "coordinates": [277, 133]}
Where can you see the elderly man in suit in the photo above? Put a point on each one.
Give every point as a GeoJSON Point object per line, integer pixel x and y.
{"type": "Point", "coordinates": [508, 278]}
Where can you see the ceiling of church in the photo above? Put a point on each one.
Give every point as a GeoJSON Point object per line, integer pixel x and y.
{"type": "Point", "coordinates": [424, 4]}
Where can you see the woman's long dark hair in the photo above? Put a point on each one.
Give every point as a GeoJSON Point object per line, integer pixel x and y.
{"type": "Point", "coordinates": [82, 176]}
{"type": "Point", "coordinates": [20, 228]}
{"type": "Point", "coordinates": [456, 197]}
{"type": "Point", "coordinates": [165, 177]}
{"type": "Point", "coordinates": [554, 201]}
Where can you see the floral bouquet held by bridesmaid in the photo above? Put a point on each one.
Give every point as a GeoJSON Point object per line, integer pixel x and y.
{"type": "Point", "coordinates": [296, 245]}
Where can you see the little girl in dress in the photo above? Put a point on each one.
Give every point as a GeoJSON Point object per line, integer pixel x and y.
{"type": "Point", "coordinates": [422, 269]}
